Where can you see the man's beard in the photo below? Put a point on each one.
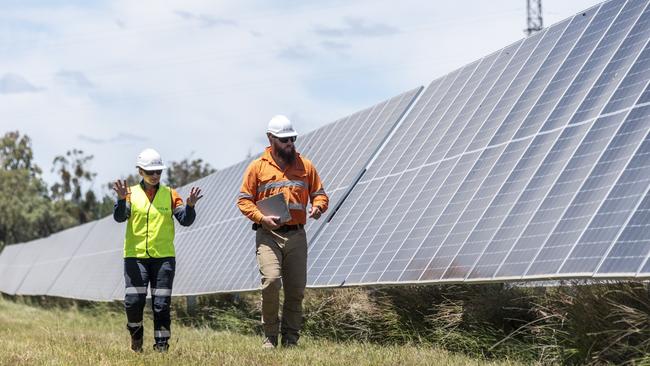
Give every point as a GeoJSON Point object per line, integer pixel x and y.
{"type": "Point", "coordinates": [288, 157]}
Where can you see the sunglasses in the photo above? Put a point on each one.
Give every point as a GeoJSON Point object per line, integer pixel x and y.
{"type": "Point", "coordinates": [152, 172]}
{"type": "Point", "coordinates": [284, 140]}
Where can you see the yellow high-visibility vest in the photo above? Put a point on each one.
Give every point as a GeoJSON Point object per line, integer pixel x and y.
{"type": "Point", "coordinates": [150, 229]}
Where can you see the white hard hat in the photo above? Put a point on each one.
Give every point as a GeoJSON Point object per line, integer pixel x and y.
{"type": "Point", "coordinates": [280, 126]}
{"type": "Point", "coordinates": [149, 159]}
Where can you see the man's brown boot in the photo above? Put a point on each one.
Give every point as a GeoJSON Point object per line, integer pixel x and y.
{"type": "Point", "coordinates": [270, 342]}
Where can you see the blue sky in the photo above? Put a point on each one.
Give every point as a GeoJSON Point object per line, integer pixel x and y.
{"type": "Point", "coordinates": [202, 78]}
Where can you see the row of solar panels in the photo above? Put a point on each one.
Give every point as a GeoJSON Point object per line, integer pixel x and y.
{"type": "Point", "coordinates": [531, 163]}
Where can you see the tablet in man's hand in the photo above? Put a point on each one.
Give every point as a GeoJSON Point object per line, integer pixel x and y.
{"type": "Point", "coordinates": [275, 206]}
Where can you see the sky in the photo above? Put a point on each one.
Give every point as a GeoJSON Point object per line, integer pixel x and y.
{"type": "Point", "coordinates": [201, 79]}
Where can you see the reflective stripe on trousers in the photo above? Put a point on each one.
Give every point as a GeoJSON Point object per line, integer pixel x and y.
{"type": "Point", "coordinates": [140, 273]}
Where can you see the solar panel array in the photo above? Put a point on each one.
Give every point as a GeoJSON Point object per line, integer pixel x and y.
{"type": "Point", "coordinates": [526, 164]}
{"type": "Point", "coordinates": [530, 163]}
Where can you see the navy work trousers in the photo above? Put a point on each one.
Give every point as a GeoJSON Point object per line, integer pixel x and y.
{"type": "Point", "coordinates": [139, 273]}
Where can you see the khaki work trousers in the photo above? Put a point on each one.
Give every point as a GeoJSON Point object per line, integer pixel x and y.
{"type": "Point", "coordinates": [282, 260]}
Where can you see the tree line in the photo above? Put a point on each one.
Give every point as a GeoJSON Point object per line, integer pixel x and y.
{"type": "Point", "coordinates": [30, 209]}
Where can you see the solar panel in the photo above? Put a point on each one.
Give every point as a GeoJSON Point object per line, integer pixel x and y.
{"type": "Point", "coordinates": [19, 261]}
{"type": "Point", "coordinates": [631, 247]}
{"type": "Point", "coordinates": [7, 266]}
{"type": "Point", "coordinates": [513, 167]}
{"type": "Point", "coordinates": [212, 242]}
{"type": "Point", "coordinates": [601, 230]}
{"type": "Point", "coordinates": [52, 255]}
{"type": "Point", "coordinates": [96, 267]}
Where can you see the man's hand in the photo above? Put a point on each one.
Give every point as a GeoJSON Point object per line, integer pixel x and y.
{"type": "Point", "coordinates": [195, 195]}
{"type": "Point", "coordinates": [270, 222]}
{"type": "Point", "coordinates": [315, 212]}
{"type": "Point", "coordinates": [121, 188]}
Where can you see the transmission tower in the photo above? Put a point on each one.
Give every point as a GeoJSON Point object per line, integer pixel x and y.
{"type": "Point", "coordinates": [534, 18]}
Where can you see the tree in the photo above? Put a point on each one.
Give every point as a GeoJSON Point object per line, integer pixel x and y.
{"type": "Point", "coordinates": [186, 171]}
{"type": "Point", "coordinates": [72, 171]}
{"type": "Point", "coordinates": [24, 204]}
{"type": "Point", "coordinates": [73, 203]}
{"type": "Point", "coordinates": [16, 153]}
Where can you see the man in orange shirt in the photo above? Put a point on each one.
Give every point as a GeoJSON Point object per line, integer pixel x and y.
{"type": "Point", "coordinates": [282, 247]}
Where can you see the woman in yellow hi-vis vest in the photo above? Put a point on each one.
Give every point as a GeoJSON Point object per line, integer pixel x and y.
{"type": "Point", "coordinates": [149, 257]}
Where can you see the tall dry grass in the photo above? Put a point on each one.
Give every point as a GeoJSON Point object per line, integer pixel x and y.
{"type": "Point", "coordinates": [598, 323]}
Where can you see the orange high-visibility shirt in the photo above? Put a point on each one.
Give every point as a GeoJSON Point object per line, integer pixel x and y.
{"type": "Point", "coordinates": [299, 182]}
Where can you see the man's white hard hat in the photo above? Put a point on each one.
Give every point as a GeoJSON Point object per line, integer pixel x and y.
{"type": "Point", "coordinates": [149, 159]}
{"type": "Point", "coordinates": [280, 126]}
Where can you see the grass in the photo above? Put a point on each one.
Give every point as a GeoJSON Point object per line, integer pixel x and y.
{"type": "Point", "coordinates": [32, 335]}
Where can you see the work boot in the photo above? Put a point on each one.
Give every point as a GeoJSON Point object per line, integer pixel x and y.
{"type": "Point", "coordinates": [137, 336]}
{"type": "Point", "coordinates": [136, 344]}
{"type": "Point", "coordinates": [161, 347]}
{"type": "Point", "coordinates": [270, 342]}
{"type": "Point", "coordinates": [289, 341]}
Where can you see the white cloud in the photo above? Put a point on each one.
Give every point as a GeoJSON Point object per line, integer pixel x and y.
{"type": "Point", "coordinates": [205, 20]}
{"type": "Point", "coordinates": [356, 27]}
{"type": "Point", "coordinates": [14, 83]}
{"type": "Point", "coordinates": [120, 138]}
{"type": "Point", "coordinates": [75, 79]}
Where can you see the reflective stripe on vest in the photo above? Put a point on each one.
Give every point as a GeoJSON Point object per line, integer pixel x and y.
{"type": "Point", "coordinates": [296, 206]}
{"type": "Point", "coordinates": [150, 229]}
{"type": "Point", "coordinates": [283, 183]}
{"type": "Point", "coordinates": [318, 193]}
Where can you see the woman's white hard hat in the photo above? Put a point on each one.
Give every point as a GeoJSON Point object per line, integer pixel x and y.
{"type": "Point", "coordinates": [149, 159]}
